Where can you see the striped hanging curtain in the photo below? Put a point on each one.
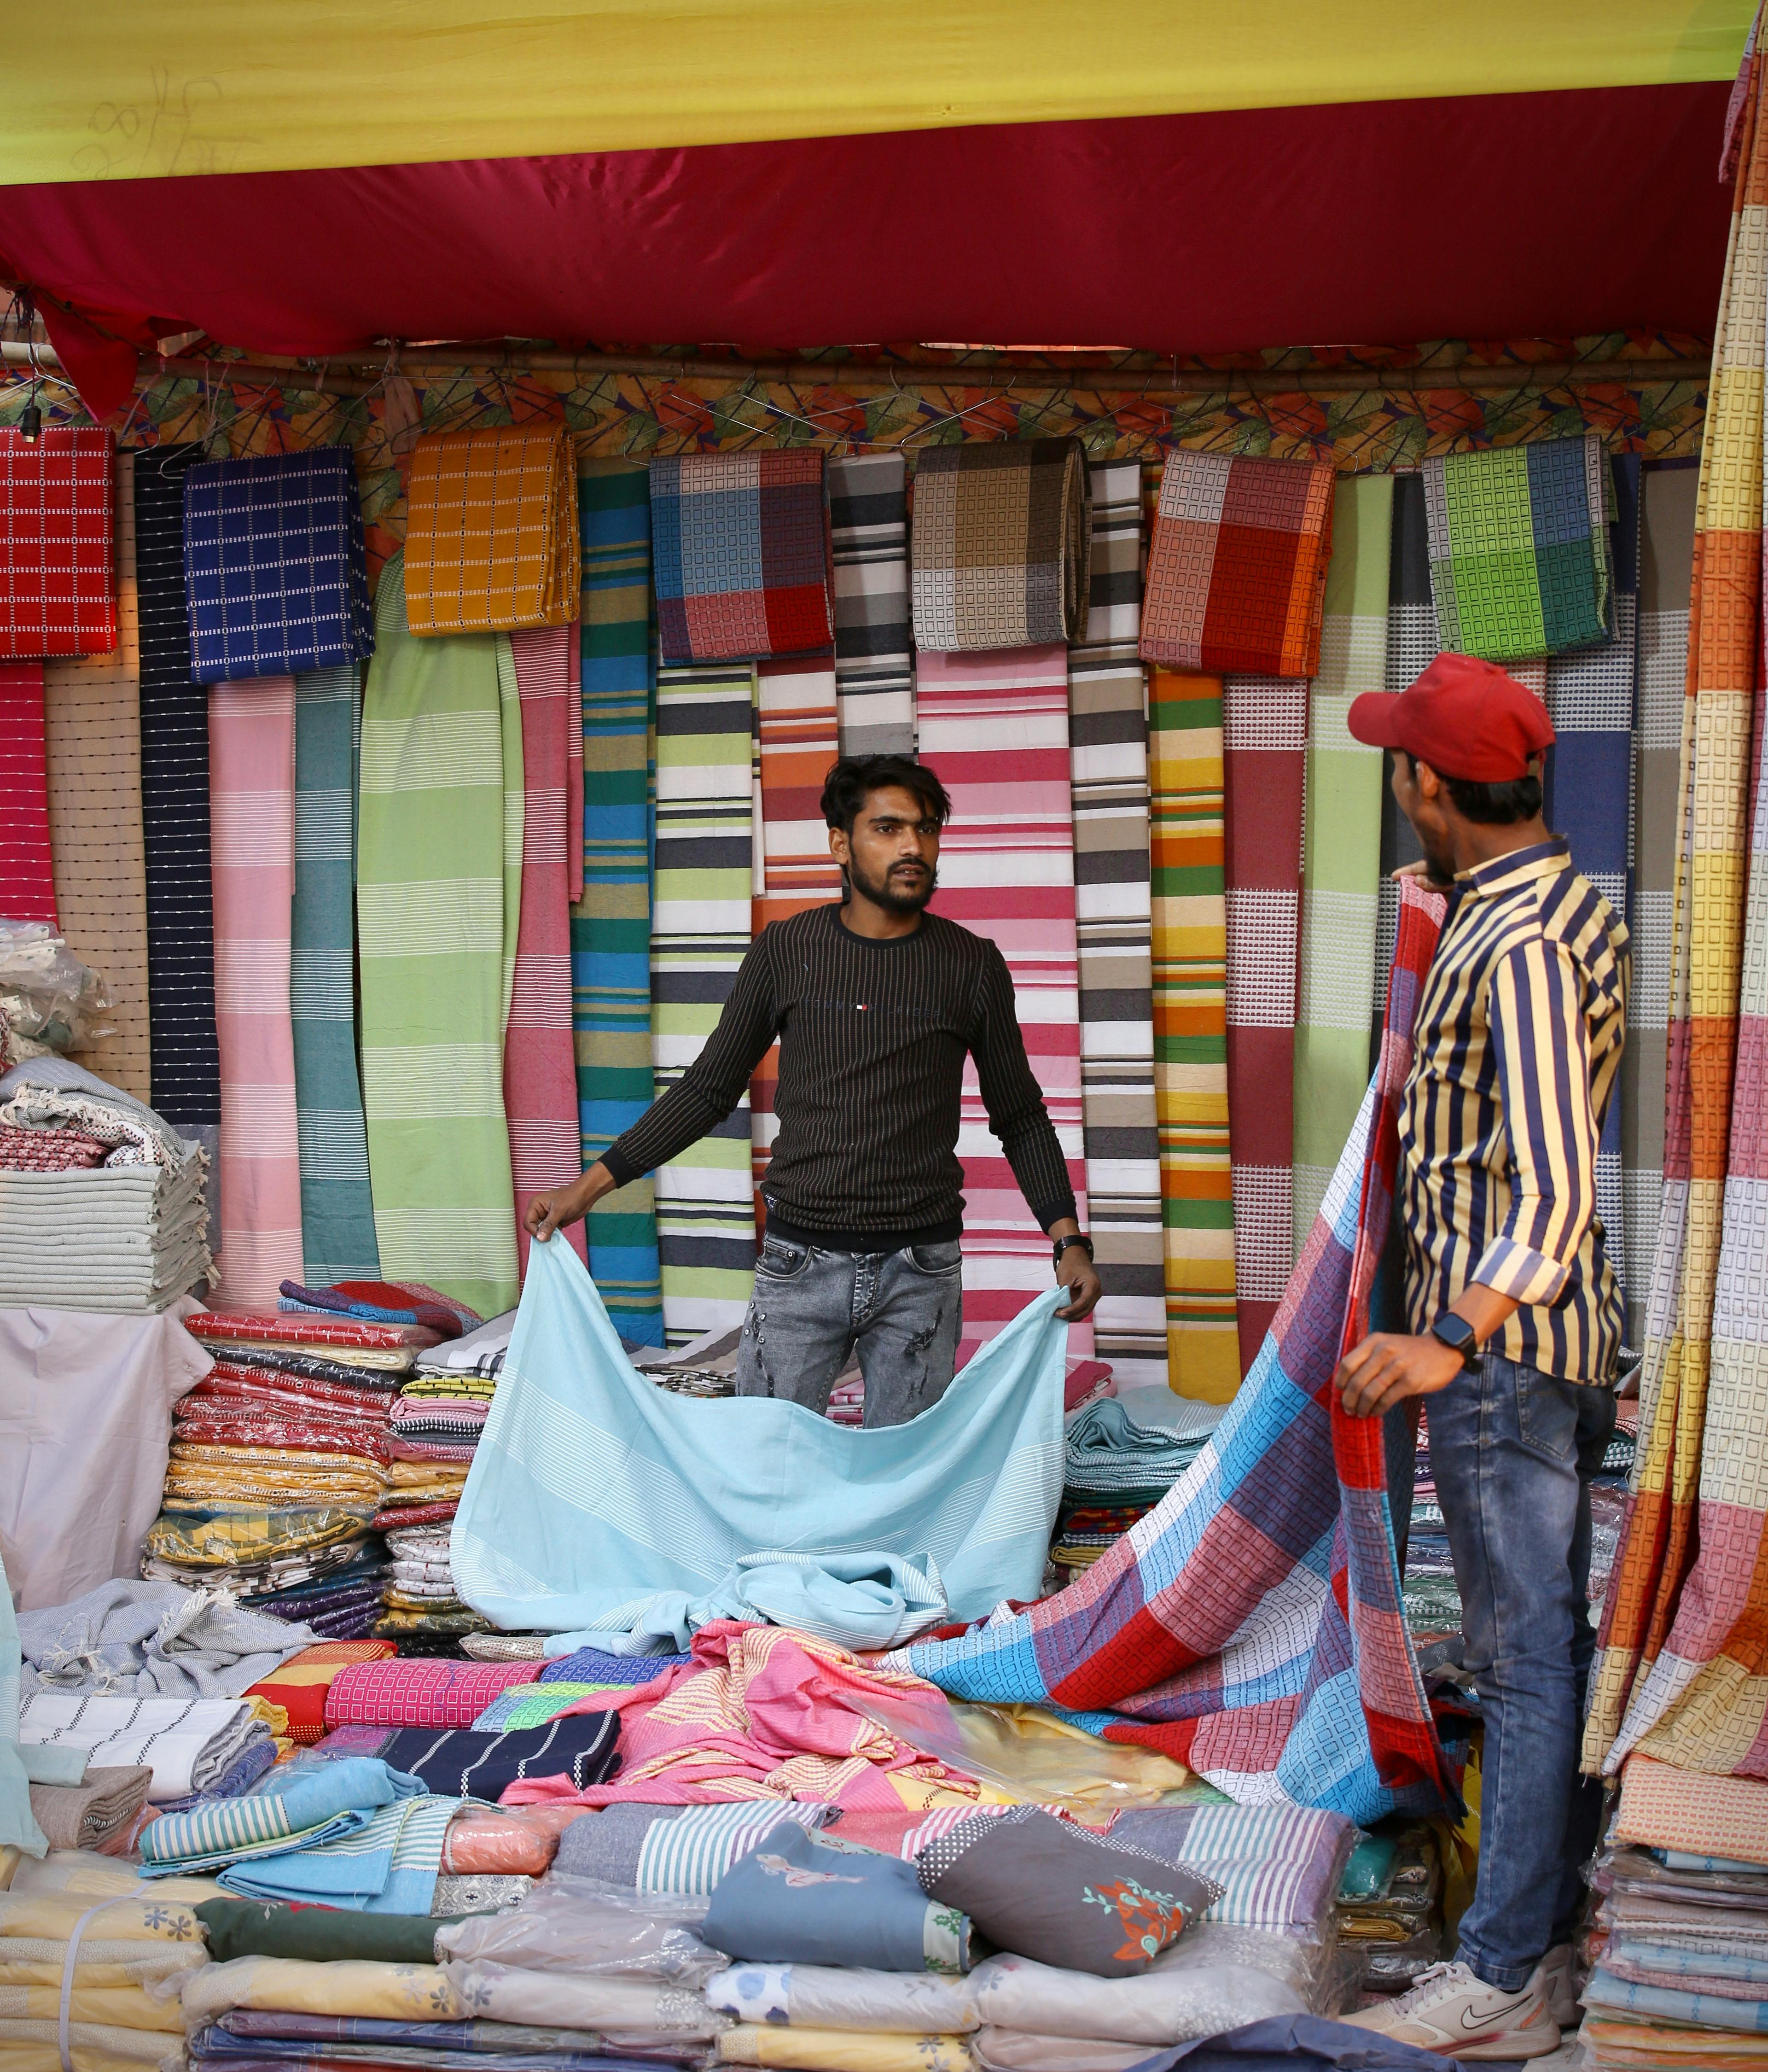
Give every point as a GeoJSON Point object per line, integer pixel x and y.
{"type": "Point", "coordinates": [1678, 1671]}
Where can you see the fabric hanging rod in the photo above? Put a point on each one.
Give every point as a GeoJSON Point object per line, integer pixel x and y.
{"type": "Point", "coordinates": [337, 378]}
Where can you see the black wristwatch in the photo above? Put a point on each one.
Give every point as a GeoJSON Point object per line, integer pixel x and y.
{"type": "Point", "coordinates": [1458, 1335]}
{"type": "Point", "coordinates": [1062, 1244]}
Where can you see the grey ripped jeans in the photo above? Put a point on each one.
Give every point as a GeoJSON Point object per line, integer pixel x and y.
{"type": "Point", "coordinates": [812, 1309]}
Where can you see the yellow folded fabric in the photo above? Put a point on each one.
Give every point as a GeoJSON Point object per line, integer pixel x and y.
{"type": "Point", "coordinates": [491, 541]}
{"type": "Point", "coordinates": [377, 1993]}
{"type": "Point", "coordinates": [157, 1918]}
{"type": "Point", "coordinates": [405, 1477]}
{"type": "Point", "coordinates": [232, 1542]}
{"type": "Point", "coordinates": [854, 2050]}
{"type": "Point", "coordinates": [29, 2046]}
{"type": "Point", "coordinates": [114, 2007]}
{"type": "Point", "coordinates": [101, 1965]}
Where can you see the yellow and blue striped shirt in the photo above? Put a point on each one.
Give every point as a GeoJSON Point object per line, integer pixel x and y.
{"type": "Point", "coordinates": [1518, 1053]}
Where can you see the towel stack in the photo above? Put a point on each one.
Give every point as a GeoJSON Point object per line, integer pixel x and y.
{"type": "Point", "coordinates": [1120, 1455]}
{"type": "Point", "coordinates": [208, 1748]}
{"type": "Point", "coordinates": [1681, 1936]}
{"type": "Point", "coordinates": [1389, 1911]}
{"type": "Point", "coordinates": [102, 1205]}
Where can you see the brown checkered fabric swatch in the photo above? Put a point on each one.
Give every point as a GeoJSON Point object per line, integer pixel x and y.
{"type": "Point", "coordinates": [1001, 545]}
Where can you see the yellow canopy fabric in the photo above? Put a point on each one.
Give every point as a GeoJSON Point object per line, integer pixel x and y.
{"type": "Point", "coordinates": [136, 88]}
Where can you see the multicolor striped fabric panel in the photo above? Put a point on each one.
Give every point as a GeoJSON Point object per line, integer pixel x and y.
{"type": "Point", "coordinates": [1237, 570]}
{"type": "Point", "coordinates": [539, 1058]}
{"type": "Point", "coordinates": [740, 554]}
{"type": "Point", "coordinates": [491, 531]}
{"type": "Point", "coordinates": [1666, 569]}
{"type": "Point", "coordinates": [1341, 855]}
{"type": "Point", "coordinates": [1590, 697]}
{"type": "Point", "coordinates": [1251, 1625]}
{"type": "Point", "coordinates": [92, 734]}
{"type": "Point", "coordinates": [610, 924]}
{"type": "Point", "coordinates": [1108, 755]}
{"type": "Point", "coordinates": [337, 1212]}
{"type": "Point", "coordinates": [874, 649]}
{"type": "Point", "coordinates": [1678, 1668]}
{"type": "Point", "coordinates": [700, 931]}
{"type": "Point", "coordinates": [796, 716]}
{"type": "Point", "coordinates": [1519, 554]}
{"type": "Point", "coordinates": [1189, 978]}
{"type": "Point", "coordinates": [995, 727]}
{"type": "Point", "coordinates": [251, 779]}
{"type": "Point", "coordinates": [437, 894]}
{"type": "Point", "coordinates": [27, 870]}
{"type": "Point", "coordinates": [1001, 546]}
{"type": "Point", "coordinates": [1264, 764]}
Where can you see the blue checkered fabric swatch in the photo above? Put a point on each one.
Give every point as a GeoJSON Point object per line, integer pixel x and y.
{"type": "Point", "coordinates": [274, 567]}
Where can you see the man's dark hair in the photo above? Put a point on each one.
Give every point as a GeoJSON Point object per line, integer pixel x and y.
{"type": "Point", "coordinates": [852, 780]}
{"type": "Point", "coordinates": [1492, 805]}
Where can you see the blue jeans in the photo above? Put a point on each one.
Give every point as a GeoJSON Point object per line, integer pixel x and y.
{"type": "Point", "coordinates": [812, 1310]}
{"type": "Point", "coordinates": [1512, 1451]}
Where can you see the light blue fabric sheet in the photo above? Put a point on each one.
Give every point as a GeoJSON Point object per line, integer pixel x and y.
{"type": "Point", "coordinates": [18, 1827]}
{"type": "Point", "coordinates": [388, 1867]}
{"type": "Point", "coordinates": [308, 1807]}
{"type": "Point", "coordinates": [615, 1514]}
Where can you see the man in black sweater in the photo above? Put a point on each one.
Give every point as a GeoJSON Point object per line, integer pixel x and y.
{"type": "Point", "coordinates": [876, 1003]}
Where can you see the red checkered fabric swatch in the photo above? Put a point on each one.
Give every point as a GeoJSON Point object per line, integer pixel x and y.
{"type": "Point", "coordinates": [27, 879]}
{"type": "Point", "coordinates": [1237, 573]}
{"type": "Point", "coordinates": [48, 1150]}
{"type": "Point", "coordinates": [409, 1693]}
{"type": "Point", "coordinates": [58, 553]}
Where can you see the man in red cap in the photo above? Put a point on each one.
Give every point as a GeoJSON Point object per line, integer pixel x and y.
{"type": "Point", "coordinates": [1515, 1321]}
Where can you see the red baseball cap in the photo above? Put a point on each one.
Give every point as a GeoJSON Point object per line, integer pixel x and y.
{"type": "Point", "coordinates": [1464, 717]}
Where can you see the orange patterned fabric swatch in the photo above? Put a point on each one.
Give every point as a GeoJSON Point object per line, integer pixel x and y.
{"type": "Point", "coordinates": [300, 1686]}
{"type": "Point", "coordinates": [1663, 1807]}
{"type": "Point", "coordinates": [491, 542]}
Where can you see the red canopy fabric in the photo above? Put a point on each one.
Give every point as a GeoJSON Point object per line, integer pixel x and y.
{"type": "Point", "coordinates": [1486, 216]}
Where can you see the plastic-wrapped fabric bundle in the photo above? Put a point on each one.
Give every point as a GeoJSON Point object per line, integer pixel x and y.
{"type": "Point", "coordinates": [589, 1929]}
{"type": "Point", "coordinates": [499, 1992]}
{"type": "Point", "coordinates": [845, 1997]}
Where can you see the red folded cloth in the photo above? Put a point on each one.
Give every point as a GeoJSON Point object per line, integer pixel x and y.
{"type": "Point", "coordinates": [283, 1328]}
{"type": "Point", "coordinates": [48, 1150]}
{"type": "Point", "coordinates": [58, 556]}
{"type": "Point", "coordinates": [418, 1693]}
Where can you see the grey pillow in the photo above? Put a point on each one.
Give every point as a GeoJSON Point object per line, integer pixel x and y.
{"type": "Point", "coordinates": [1046, 1890]}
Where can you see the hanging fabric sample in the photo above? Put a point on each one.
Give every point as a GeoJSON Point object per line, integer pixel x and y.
{"type": "Point", "coordinates": [27, 870]}
{"type": "Point", "coordinates": [539, 1061]}
{"type": "Point", "coordinates": [610, 924]}
{"type": "Point", "coordinates": [874, 649]}
{"type": "Point", "coordinates": [796, 712]}
{"type": "Point", "coordinates": [337, 1214]}
{"type": "Point", "coordinates": [252, 780]}
{"type": "Point", "coordinates": [175, 813]}
{"type": "Point", "coordinates": [1250, 1625]}
{"type": "Point", "coordinates": [1677, 1669]}
{"type": "Point", "coordinates": [739, 555]}
{"type": "Point", "coordinates": [1001, 546]}
{"type": "Point", "coordinates": [1190, 983]}
{"type": "Point", "coordinates": [1519, 554]}
{"type": "Point", "coordinates": [1666, 569]}
{"type": "Point", "coordinates": [437, 894]}
{"type": "Point", "coordinates": [1236, 569]}
{"type": "Point", "coordinates": [995, 727]}
{"type": "Point", "coordinates": [1264, 766]}
{"type": "Point", "coordinates": [93, 724]}
{"type": "Point", "coordinates": [700, 932]}
{"type": "Point", "coordinates": [1108, 732]}
{"type": "Point", "coordinates": [1589, 698]}
{"type": "Point", "coordinates": [1341, 856]}
{"type": "Point", "coordinates": [275, 568]}
{"type": "Point", "coordinates": [491, 540]}
{"type": "Point", "coordinates": [58, 559]}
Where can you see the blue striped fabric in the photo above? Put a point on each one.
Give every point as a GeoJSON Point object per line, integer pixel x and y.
{"type": "Point", "coordinates": [275, 566]}
{"type": "Point", "coordinates": [387, 1867]}
{"type": "Point", "coordinates": [310, 1807]}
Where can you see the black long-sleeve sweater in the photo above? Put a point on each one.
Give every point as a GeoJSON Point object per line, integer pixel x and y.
{"type": "Point", "coordinates": [872, 1040]}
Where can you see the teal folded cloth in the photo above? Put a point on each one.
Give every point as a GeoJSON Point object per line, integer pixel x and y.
{"type": "Point", "coordinates": [387, 1867]}
{"type": "Point", "coordinates": [301, 1808]}
{"type": "Point", "coordinates": [1107, 1451]}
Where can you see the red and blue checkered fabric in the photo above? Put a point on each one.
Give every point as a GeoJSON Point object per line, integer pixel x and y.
{"type": "Point", "coordinates": [58, 554]}
{"type": "Point", "coordinates": [1251, 1626]}
{"type": "Point", "coordinates": [740, 556]}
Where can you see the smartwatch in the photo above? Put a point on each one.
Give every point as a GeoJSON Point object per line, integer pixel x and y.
{"type": "Point", "coordinates": [1061, 1245]}
{"type": "Point", "coordinates": [1457, 1334]}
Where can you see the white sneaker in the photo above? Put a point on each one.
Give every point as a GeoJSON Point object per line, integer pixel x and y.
{"type": "Point", "coordinates": [1556, 1976]}
{"type": "Point", "coordinates": [1451, 2011]}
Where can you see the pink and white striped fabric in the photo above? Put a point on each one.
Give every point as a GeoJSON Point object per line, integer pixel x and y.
{"type": "Point", "coordinates": [796, 715]}
{"type": "Point", "coordinates": [252, 859]}
{"type": "Point", "coordinates": [540, 1053]}
{"type": "Point", "coordinates": [995, 726]}
{"type": "Point", "coordinates": [27, 879]}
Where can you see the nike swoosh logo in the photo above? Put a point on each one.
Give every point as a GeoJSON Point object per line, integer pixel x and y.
{"type": "Point", "coordinates": [1493, 2021]}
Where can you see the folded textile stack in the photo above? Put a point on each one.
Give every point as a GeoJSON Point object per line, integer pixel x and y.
{"type": "Point", "coordinates": [1389, 1911]}
{"type": "Point", "coordinates": [269, 1556]}
{"type": "Point", "coordinates": [152, 1639]}
{"type": "Point", "coordinates": [102, 1811]}
{"type": "Point", "coordinates": [195, 1747]}
{"type": "Point", "coordinates": [128, 1234]}
{"type": "Point", "coordinates": [1120, 1455]}
{"type": "Point", "coordinates": [97, 2011]}
{"type": "Point", "coordinates": [301, 1685]}
{"type": "Point", "coordinates": [1680, 1941]}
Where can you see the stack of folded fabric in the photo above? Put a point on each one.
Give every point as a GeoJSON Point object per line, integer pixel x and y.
{"type": "Point", "coordinates": [302, 1683]}
{"type": "Point", "coordinates": [123, 1227]}
{"type": "Point", "coordinates": [1390, 1912]}
{"type": "Point", "coordinates": [195, 1747]}
{"type": "Point", "coordinates": [103, 1812]}
{"type": "Point", "coordinates": [1121, 1457]}
{"type": "Point", "coordinates": [1681, 1943]}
